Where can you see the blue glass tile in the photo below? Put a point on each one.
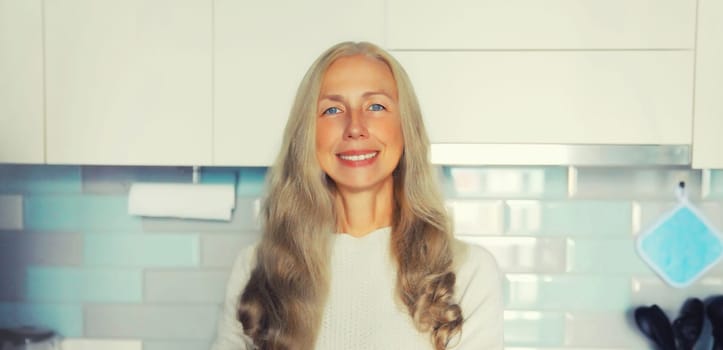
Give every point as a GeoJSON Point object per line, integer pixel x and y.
{"type": "Point", "coordinates": [79, 212]}
{"type": "Point", "coordinates": [602, 256]}
{"type": "Point", "coordinates": [252, 182]}
{"type": "Point", "coordinates": [569, 218]}
{"type": "Point", "coordinates": [142, 250]}
{"type": "Point", "coordinates": [65, 319]}
{"type": "Point", "coordinates": [505, 182]}
{"type": "Point", "coordinates": [40, 179]}
{"type": "Point", "coordinates": [533, 328]}
{"type": "Point", "coordinates": [634, 182]}
{"type": "Point", "coordinates": [568, 292]}
{"type": "Point", "coordinates": [681, 246]}
{"type": "Point", "coordinates": [84, 285]}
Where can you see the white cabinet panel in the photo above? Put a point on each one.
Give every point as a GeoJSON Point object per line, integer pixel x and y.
{"type": "Point", "coordinates": [129, 82]}
{"type": "Point", "coordinates": [21, 82]}
{"type": "Point", "coordinates": [262, 50]}
{"type": "Point", "coordinates": [618, 97]}
{"type": "Point", "coordinates": [541, 24]}
{"type": "Point", "coordinates": [708, 136]}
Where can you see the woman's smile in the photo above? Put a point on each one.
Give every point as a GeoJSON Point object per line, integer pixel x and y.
{"type": "Point", "coordinates": [357, 158]}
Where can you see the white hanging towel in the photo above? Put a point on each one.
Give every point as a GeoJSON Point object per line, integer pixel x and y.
{"type": "Point", "coordinates": [191, 201]}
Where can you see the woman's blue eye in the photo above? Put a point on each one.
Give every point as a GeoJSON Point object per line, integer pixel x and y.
{"type": "Point", "coordinates": [376, 107]}
{"type": "Point", "coordinates": [332, 110]}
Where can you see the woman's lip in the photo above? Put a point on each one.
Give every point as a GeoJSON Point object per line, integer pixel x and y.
{"type": "Point", "coordinates": [359, 158]}
{"type": "Point", "coordinates": [356, 152]}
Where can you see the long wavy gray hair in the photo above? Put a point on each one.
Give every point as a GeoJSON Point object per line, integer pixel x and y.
{"type": "Point", "coordinates": [282, 304]}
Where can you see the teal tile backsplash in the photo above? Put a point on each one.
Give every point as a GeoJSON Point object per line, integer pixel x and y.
{"type": "Point", "coordinates": [569, 218]}
{"type": "Point", "coordinates": [534, 328]}
{"type": "Point", "coordinates": [66, 319]}
{"type": "Point", "coordinates": [142, 250]}
{"type": "Point", "coordinates": [565, 292]}
{"type": "Point", "coordinates": [78, 212]}
{"type": "Point", "coordinates": [46, 179]}
{"type": "Point", "coordinates": [594, 256]}
{"type": "Point", "coordinates": [80, 285]}
{"type": "Point", "coordinates": [75, 261]}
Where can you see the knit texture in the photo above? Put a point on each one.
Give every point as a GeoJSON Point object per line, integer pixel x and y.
{"type": "Point", "coordinates": [362, 310]}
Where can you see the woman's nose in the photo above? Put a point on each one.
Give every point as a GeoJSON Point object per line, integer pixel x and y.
{"type": "Point", "coordinates": [356, 127]}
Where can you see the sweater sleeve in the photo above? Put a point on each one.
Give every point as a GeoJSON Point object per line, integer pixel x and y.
{"type": "Point", "coordinates": [479, 286]}
{"type": "Point", "coordinates": [230, 335]}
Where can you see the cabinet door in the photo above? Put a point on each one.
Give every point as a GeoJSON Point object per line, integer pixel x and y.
{"type": "Point", "coordinates": [708, 136]}
{"type": "Point", "coordinates": [262, 50]}
{"type": "Point", "coordinates": [569, 97]}
{"type": "Point", "coordinates": [129, 81]}
{"type": "Point", "coordinates": [541, 24]}
{"type": "Point", "coordinates": [21, 82]}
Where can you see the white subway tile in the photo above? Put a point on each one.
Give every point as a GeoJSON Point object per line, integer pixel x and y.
{"type": "Point", "coordinates": [594, 329]}
{"type": "Point", "coordinates": [569, 218]}
{"type": "Point", "coordinates": [604, 256]}
{"type": "Point", "coordinates": [104, 344]}
{"type": "Point", "coordinates": [507, 182]}
{"type": "Point", "coordinates": [476, 217]}
{"type": "Point", "coordinates": [221, 249]}
{"type": "Point", "coordinates": [176, 345]}
{"type": "Point", "coordinates": [185, 285]}
{"type": "Point", "coordinates": [524, 254]}
{"type": "Point", "coordinates": [635, 183]}
{"type": "Point", "coordinates": [534, 328]}
{"type": "Point", "coordinates": [648, 290]}
{"type": "Point", "coordinates": [151, 321]}
{"type": "Point", "coordinates": [567, 292]}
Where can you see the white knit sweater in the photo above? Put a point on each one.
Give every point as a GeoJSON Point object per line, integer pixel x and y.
{"type": "Point", "coordinates": [362, 310]}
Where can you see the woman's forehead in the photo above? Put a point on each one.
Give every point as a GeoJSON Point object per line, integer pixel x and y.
{"type": "Point", "coordinates": [359, 72]}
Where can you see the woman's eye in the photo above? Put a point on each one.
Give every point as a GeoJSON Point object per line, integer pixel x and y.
{"type": "Point", "coordinates": [332, 110]}
{"type": "Point", "coordinates": [376, 107]}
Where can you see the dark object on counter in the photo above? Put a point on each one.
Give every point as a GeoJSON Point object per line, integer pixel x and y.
{"type": "Point", "coordinates": [715, 315]}
{"type": "Point", "coordinates": [689, 324]}
{"type": "Point", "coordinates": [26, 337]}
{"type": "Point", "coordinates": [653, 322]}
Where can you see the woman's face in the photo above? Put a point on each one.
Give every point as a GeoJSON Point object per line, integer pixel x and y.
{"type": "Point", "coordinates": [358, 130]}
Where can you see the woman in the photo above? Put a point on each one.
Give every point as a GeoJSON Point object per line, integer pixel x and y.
{"type": "Point", "coordinates": [357, 250]}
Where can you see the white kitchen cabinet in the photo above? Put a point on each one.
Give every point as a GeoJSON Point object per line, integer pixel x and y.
{"type": "Point", "coordinates": [541, 24]}
{"type": "Point", "coordinates": [708, 121]}
{"type": "Point", "coordinates": [262, 50]}
{"type": "Point", "coordinates": [21, 82]}
{"type": "Point", "coordinates": [554, 97]}
{"type": "Point", "coordinates": [129, 81]}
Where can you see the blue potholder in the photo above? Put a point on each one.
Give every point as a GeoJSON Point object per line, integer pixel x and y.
{"type": "Point", "coordinates": [681, 246]}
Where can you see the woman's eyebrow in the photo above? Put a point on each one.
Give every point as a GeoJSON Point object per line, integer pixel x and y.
{"type": "Point", "coordinates": [337, 98]}
{"type": "Point", "coordinates": [340, 98]}
{"type": "Point", "coordinates": [371, 93]}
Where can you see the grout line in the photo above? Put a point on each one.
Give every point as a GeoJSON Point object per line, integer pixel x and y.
{"type": "Point", "coordinates": [571, 181]}
{"type": "Point", "coordinates": [636, 218]}
{"type": "Point", "coordinates": [705, 183]}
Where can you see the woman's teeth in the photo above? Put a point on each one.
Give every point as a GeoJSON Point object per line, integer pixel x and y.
{"type": "Point", "coordinates": [358, 157]}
